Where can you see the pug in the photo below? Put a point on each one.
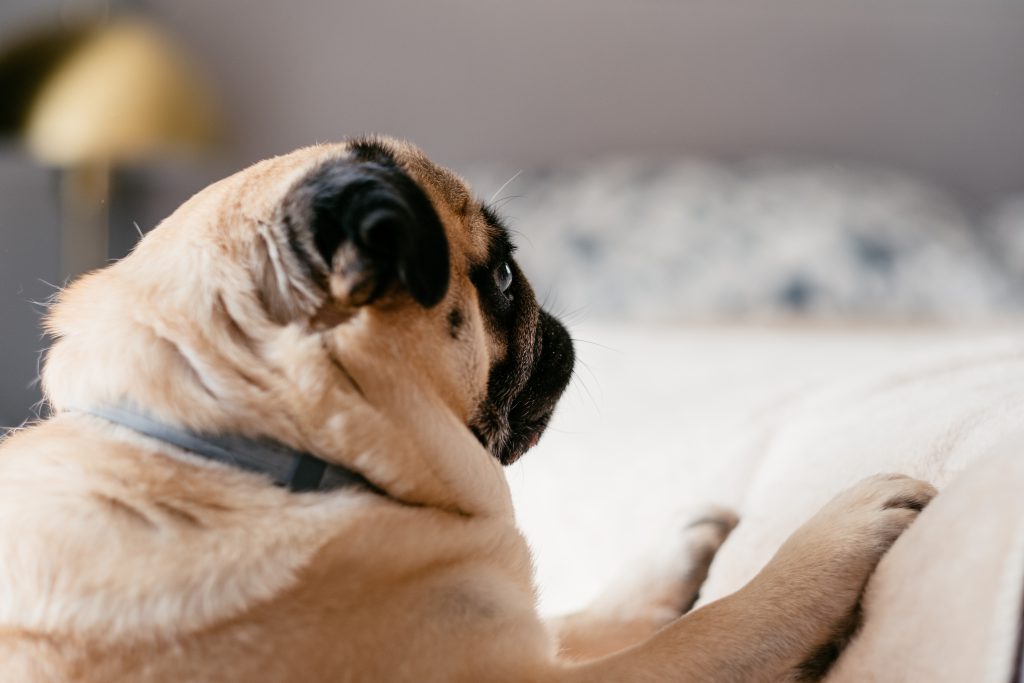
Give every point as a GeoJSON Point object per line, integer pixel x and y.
{"type": "Point", "coordinates": [275, 454]}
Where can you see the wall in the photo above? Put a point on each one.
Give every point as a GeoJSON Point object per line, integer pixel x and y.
{"type": "Point", "coordinates": [930, 86]}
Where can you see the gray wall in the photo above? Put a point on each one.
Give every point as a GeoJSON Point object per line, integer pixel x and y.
{"type": "Point", "coordinates": [931, 86]}
{"type": "Point", "coordinates": [28, 260]}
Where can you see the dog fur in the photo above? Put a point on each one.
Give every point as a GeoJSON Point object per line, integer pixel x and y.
{"type": "Point", "coordinates": [256, 309]}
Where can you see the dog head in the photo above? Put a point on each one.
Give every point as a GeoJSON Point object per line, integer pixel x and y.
{"type": "Point", "coordinates": [381, 228]}
{"type": "Point", "coordinates": [311, 294]}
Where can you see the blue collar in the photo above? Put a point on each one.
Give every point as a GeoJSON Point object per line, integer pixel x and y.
{"type": "Point", "coordinates": [295, 470]}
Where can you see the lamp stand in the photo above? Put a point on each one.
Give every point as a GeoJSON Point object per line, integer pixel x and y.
{"type": "Point", "coordinates": [85, 212]}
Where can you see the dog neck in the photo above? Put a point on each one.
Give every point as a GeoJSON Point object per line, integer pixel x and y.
{"type": "Point", "coordinates": [295, 470]}
{"type": "Point", "coordinates": [189, 362]}
{"type": "Point", "coordinates": [180, 328]}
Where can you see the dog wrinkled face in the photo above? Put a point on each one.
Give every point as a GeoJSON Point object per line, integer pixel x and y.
{"type": "Point", "coordinates": [385, 225]}
{"type": "Point", "coordinates": [524, 385]}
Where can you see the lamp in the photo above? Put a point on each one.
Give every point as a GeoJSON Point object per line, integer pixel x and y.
{"type": "Point", "coordinates": [89, 98]}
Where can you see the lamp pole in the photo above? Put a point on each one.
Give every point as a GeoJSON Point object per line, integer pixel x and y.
{"type": "Point", "coordinates": [84, 218]}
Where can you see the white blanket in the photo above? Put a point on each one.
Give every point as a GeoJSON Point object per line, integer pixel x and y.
{"type": "Point", "coordinates": [771, 421]}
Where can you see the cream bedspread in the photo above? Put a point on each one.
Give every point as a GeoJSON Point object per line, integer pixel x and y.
{"type": "Point", "coordinates": [773, 421]}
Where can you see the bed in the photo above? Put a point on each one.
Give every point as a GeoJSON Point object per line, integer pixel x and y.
{"type": "Point", "coordinates": [762, 335]}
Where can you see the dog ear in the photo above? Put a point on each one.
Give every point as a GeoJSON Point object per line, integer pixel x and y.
{"type": "Point", "coordinates": [373, 227]}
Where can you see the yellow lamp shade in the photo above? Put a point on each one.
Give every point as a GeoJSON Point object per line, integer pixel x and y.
{"type": "Point", "coordinates": [124, 93]}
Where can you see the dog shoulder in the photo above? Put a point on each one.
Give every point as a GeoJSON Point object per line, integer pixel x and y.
{"type": "Point", "coordinates": [122, 547]}
{"type": "Point", "coordinates": [95, 541]}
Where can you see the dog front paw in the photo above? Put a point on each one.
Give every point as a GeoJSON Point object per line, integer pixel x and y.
{"type": "Point", "coordinates": [649, 594]}
{"type": "Point", "coordinates": [699, 543]}
{"type": "Point", "coordinates": [822, 569]}
{"type": "Point", "coordinates": [665, 584]}
{"type": "Point", "coordinates": [862, 522]}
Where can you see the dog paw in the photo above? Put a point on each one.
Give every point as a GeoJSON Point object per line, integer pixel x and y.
{"type": "Point", "coordinates": [650, 593]}
{"type": "Point", "coordinates": [700, 540]}
{"type": "Point", "coordinates": [862, 522]}
{"type": "Point", "coordinates": [823, 567]}
{"type": "Point", "coordinates": [665, 584]}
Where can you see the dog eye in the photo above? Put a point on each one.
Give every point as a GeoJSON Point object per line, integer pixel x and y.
{"type": "Point", "coordinates": [503, 277]}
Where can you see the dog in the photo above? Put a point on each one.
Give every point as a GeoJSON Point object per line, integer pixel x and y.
{"type": "Point", "coordinates": [275, 453]}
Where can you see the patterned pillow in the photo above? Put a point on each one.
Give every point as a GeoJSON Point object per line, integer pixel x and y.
{"type": "Point", "coordinates": [693, 239]}
{"type": "Point", "coordinates": [1006, 233]}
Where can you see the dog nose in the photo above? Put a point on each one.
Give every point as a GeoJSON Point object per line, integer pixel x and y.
{"type": "Point", "coordinates": [557, 344]}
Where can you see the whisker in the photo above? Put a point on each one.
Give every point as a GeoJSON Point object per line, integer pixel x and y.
{"type": "Point", "coordinates": [556, 308]}
{"type": "Point", "coordinates": [579, 310]}
{"type": "Point", "coordinates": [587, 341]}
{"type": "Point", "coordinates": [593, 375]}
{"type": "Point", "coordinates": [507, 183]}
{"type": "Point", "coordinates": [547, 295]}
{"type": "Point", "coordinates": [571, 432]}
{"type": "Point", "coordinates": [519, 234]}
{"type": "Point", "coordinates": [586, 389]}
{"type": "Point", "coordinates": [505, 200]}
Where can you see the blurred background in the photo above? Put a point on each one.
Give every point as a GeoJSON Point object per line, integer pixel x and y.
{"type": "Point", "coordinates": [730, 203]}
{"type": "Point", "coordinates": [670, 160]}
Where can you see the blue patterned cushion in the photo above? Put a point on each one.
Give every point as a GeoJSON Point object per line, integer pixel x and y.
{"type": "Point", "coordinates": [1006, 234]}
{"type": "Point", "coordinates": [692, 239]}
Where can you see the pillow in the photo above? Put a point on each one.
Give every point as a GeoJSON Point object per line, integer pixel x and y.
{"type": "Point", "coordinates": [693, 239]}
{"type": "Point", "coordinates": [1006, 234]}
